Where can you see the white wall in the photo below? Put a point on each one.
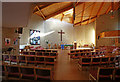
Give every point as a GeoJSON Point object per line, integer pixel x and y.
{"type": "Point", "coordinates": [82, 34]}
{"type": "Point", "coordinates": [85, 34]}
{"type": "Point", "coordinates": [56, 26]}
{"type": "Point", "coordinates": [35, 23]}
{"type": "Point", "coordinates": [105, 23]}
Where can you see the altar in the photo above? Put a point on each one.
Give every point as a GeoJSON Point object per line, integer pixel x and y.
{"type": "Point", "coordinates": [82, 48]}
{"type": "Point", "coordinates": [66, 46]}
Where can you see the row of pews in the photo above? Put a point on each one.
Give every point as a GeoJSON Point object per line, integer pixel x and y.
{"type": "Point", "coordinates": [40, 53]}
{"type": "Point", "coordinates": [105, 74]}
{"type": "Point", "coordinates": [80, 50]}
{"type": "Point", "coordinates": [37, 50]}
{"type": "Point", "coordinates": [87, 53]}
{"type": "Point", "coordinates": [98, 61]}
{"type": "Point", "coordinates": [29, 65]}
{"type": "Point", "coordinates": [20, 72]}
{"type": "Point", "coordinates": [29, 59]}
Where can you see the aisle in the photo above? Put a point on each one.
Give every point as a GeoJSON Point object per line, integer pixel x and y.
{"type": "Point", "coordinates": [67, 69]}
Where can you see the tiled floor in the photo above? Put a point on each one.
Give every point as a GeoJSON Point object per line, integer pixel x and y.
{"type": "Point", "coordinates": [67, 69]}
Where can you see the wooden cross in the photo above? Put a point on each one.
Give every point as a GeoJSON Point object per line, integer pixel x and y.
{"type": "Point", "coordinates": [61, 34]}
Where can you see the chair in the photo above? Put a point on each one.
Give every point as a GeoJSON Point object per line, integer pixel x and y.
{"type": "Point", "coordinates": [92, 53]}
{"type": "Point", "coordinates": [48, 50]}
{"type": "Point", "coordinates": [111, 60]}
{"type": "Point", "coordinates": [82, 54]}
{"type": "Point", "coordinates": [79, 55]}
{"type": "Point", "coordinates": [117, 59]}
{"type": "Point", "coordinates": [46, 54]}
{"type": "Point", "coordinates": [76, 55]}
{"type": "Point", "coordinates": [88, 54]}
{"type": "Point", "coordinates": [104, 60]}
{"type": "Point", "coordinates": [77, 51]}
{"type": "Point", "coordinates": [102, 74]}
{"type": "Point", "coordinates": [25, 53]}
{"type": "Point", "coordinates": [12, 71]}
{"type": "Point", "coordinates": [42, 50]}
{"type": "Point", "coordinates": [50, 60]}
{"type": "Point", "coordinates": [27, 72]}
{"type": "Point", "coordinates": [71, 55]}
{"type": "Point", "coordinates": [32, 53]}
{"type": "Point", "coordinates": [13, 59]}
{"type": "Point", "coordinates": [72, 51]}
{"type": "Point", "coordinates": [30, 59]}
{"type": "Point", "coordinates": [100, 52]}
{"type": "Point", "coordinates": [40, 60]}
{"type": "Point", "coordinates": [85, 61]}
{"type": "Point", "coordinates": [95, 60]}
{"type": "Point", "coordinates": [105, 73]}
{"type": "Point", "coordinates": [43, 73]}
{"type": "Point", "coordinates": [117, 74]}
{"type": "Point", "coordinates": [54, 51]}
{"type": "Point", "coordinates": [53, 54]}
{"type": "Point", "coordinates": [39, 53]}
{"type": "Point", "coordinates": [22, 59]}
{"type": "Point", "coordinates": [96, 53]}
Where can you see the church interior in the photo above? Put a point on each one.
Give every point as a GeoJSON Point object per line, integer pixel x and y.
{"type": "Point", "coordinates": [43, 41]}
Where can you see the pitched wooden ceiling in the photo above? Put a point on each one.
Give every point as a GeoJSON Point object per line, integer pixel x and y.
{"type": "Point", "coordinates": [77, 13]}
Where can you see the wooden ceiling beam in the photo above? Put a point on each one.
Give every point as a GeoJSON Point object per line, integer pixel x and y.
{"type": "Point", "coordinates": [68, 7]}
{"type": "Point", "coordinates": [85, 20]}
{"type": "Point", "coordinates": [112, 6]}
{"type": "Point", "coordinates": [60, 10]}
{"type": "Point", "coordinates": [91, 12]}
{"type": "Point", "coordinates": [42, 7]}
{"type": "Point", "coordinates": [100, 9]}
{"type": "Point", "coordinates": [117, 6]}
{"type": "Point", "coordinates": [38, 14]}
{"type": "Point", "coordinates": [43, 16]}
{"type": "Point", "coordinates": [82, 12]}
{"type": "Point", "coordinates": [72, 20]}
{"type": "Point", "coordinates": [73, 16]}
{"type": "Point", "coordinates": [62, 16]}
{"type": "Point", "coordinates": [107, 11]}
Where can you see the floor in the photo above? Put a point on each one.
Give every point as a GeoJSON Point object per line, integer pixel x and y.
{"type": "Point", "coordinates": [67, 69]}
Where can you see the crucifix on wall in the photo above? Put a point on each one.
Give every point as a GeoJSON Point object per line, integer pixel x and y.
{"type": "Point", "coordinates": [61, 32]}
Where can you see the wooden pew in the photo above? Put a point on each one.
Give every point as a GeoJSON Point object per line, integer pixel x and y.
{"type": "Point", "coordinates": [30, 59]}
{"type": "Point", "coordinates": [12, 71]}
{"type": "Point", "coordinates": [28, 72]}
{"type": "Point", "coordinates": [40, 60]}
{"type": "Point", "coordinates": [104, 60]}
{"type": "Point", "coordinates": [102, 73]}
{"type": "Point", "coordinates": [22, 59]}
{"type": "Point", "coordinates": [84, 61]}
{"type": "Point", "coordinates": [50, 58]}
{"type": "Point", "coordinates": [95, 61]}
{"type": "Point", "coordinates": [117, 74]}
{"type": "Point", "coordinates": [43, 73]}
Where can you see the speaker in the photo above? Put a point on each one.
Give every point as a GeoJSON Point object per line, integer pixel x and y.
{"type": "Point", "coordinates": [20, 30]}
{"type": "Point", "coordinates": [98, 37]}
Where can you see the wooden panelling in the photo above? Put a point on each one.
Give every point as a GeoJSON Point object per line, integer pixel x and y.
{"type": "Point", "coordinates": [110, 34]}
